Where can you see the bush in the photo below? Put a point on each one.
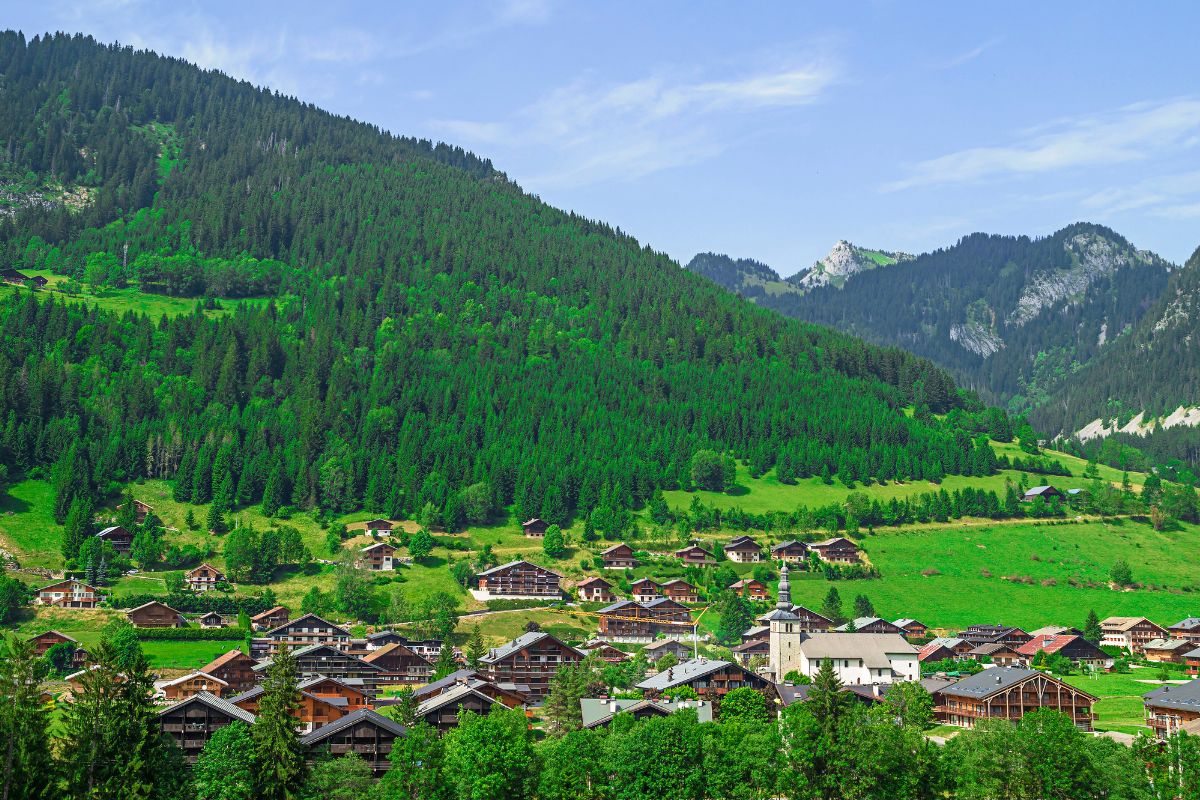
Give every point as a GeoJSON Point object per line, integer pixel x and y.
{"type": "Point", "coordinates": [514, 605]}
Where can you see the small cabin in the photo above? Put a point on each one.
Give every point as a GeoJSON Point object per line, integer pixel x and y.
{"type": "Point", "coordinates": [535, 527]}
{"type": "Point", "coordinates": [1044, 492]}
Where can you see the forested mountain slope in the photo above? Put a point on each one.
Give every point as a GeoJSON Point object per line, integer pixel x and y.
{"type": "Point", "coordinates": [435, 328]}
{"type": "Point", "coordinates": [1144, 378]}
{"type": "Point", "coordinates": [1010, 316]}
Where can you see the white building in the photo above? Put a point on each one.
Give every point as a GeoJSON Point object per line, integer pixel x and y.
{"type": "Point", "coordinates": [857, 658]}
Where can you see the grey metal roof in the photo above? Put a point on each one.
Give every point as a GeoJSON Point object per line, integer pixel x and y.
{"type": "Point", "coordinates": [1182, 697]}
{"type": "Point", "coordinates": [617, 606]}
{"type": "Point", "coordinates": [860, 622]}
{"type": "Point", "coordinates": [487, 572]}
{"type": "Point", "coordinates": [214, 702]}
{"type": "Point", "coordinates": [597, 711]}
{"type": "Point", "coordinates": [1167, 644]}
{"type": "Point", "coordinates": [997, 679]}
{"type": "Point", "coordinates": [661, 643]}
{"type": "Point", "coordinates": [684, 673]}
{"type": "Point", "coordinates": [460, 692]}
{"type": "Point", "coordinates": [362, 715]}
{"type": "Point", "coordinates": [449, 680]}
{"type": "Point", "coordinates": [1189, 624]}
{"type": "Point", "coordinates": [903, 621]}
{"type": "Point", "coordinates": [302, 618]}
{"type": "Point", "coordinates": [520, 643]}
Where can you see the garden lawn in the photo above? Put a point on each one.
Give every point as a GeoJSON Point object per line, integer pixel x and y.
{"type": "Point", "coordinates": [1120, 706]}
{"type": "Point", "coordinates": [184, 655]}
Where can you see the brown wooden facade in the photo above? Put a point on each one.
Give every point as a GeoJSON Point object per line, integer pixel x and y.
{"type": "Point", "coordinates": [695, 555]}
{"type": "Point", "coordinates": [155, 615]}
{"type": "Point", "coordinates": [303, 632]}
{"type": "Point", "coordinates": [743, 550]}
{"type": "Point", "coordinates": [192, 722]}
{"type": "Point", "coordinates": [1016, 693]}
{"type": "Point", "coordinates": [535, 527]}
{"type": "Point", "coordinates": [365, 733]}
{"type": "Point", "coordinates": [204, 578]}
{"type": "Point", "coordinates": [644, 590]}
{"type": "Point", "coordinates": [400, 664]}
{"type": "Point", "coordinates": [680, 591]}
{"type": "Point", "coordinates": [751, 588]}
{"type": "Point", "coordinates": [629, 620]}
{"type": "Point", "coordinates": [619, 556]}
{"type": "Point", "coordinates": [120, 538]}
{"type": "Point", "coordinates": [839, 550]}
{"type": "Point", "coordinates": [520, 579]}
{"type": "Point", "coordinates": [529, 660]}
{"type": "Point", "coordinates": [269, 619]}
{"type": "Point", "coordinates": [235, 668]}
{"type": "Point", "coordinates": [595, 590]}
{"type": "Point", "coordinates": [68, 594]}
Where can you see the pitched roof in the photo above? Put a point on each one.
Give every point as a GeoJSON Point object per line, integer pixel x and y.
{"type": "Point", "coordinates": [685, 672]}
{"type": "Point", "coordinates": [449, 680]}
{"type": "Point", "coordinates": [1189, 624]}
{"type": "Point", "coordinates": [1049, 643]}
{"type": "Point", "coordinates": [388, 649]}
{"type": "Point", "coordinates": [196, 569]}
{"type": "Point", "coordinates": [111, 529]}
{"type": "Point", "coordinates": [997, 679]}
{"type": "Point", "coordinates": [747, 582]}
{"type": "Point", "coordinates": [640, 581]}
{"type": "Point", "coordinates": [1039, 490]}
{"type": "Point", "coordinates": [1183, 697]}
{"type": "Point", "coordinates": [991, 648]}
{"type": "Point", "coordinates": [790, 543]}
{"type": "Point", "coordinates": [350, 720]}
{"type": "Point", "coordinates": [740, 542]}
{"type": "Point", "coordinates": [1055, 630]}
{"type": "Point", "coordinates": [520, 643]}
{"type": "Point", "coordinates": [56, 633]}
{"type": "Point", "coordinates": [306, 618]}
{"type": "Point", "coordinates": [153, 603]}
{"type": "Point", "coordinates": [904, 622]}
{"type": "Point", "coordinates": [1168, 644]}
{"type": "Point", "coordinates": [617, 606]}
{"type": "Point", "coordinates": [872, 649]}
{"type": "Point", "coordinates": [616, 547]}
{"type": "Point", "coordinates": [861, 622]}
{"type": "Point", "coordinates": [222, 660]}
{"type": "Point", "coordinates": [592, 581]}
{"type": "Point", "coordinates": [460, 692]}
{"type": "Point", "coordinates": [70, 581]}
{"type": "Point", "coordinates": [691, 547]}
{"type": "Point", "coordinates": [191, 675]}
{"type": "Point", "coordinates": [387, 545]}
{"type": "Point", "coordinates": [662, 644]}
{"type": "Point", "coordinates": [677, 582]}
{"type": "Point", "coordinates": [269, 612]}
{"type": "Point", "coordinates": [214, 702]}
{"type": "Point", "coordinates": [1123, 623]}
{"type": "Point", "coordinates": [835, 540]}
{"type": "Point", "coordinates": [487, 572]}
{"type": "Point", "coordinates": [597, 711]}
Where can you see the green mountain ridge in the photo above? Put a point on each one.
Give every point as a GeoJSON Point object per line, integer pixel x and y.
{"type": "Point", "coordinates": [436, 333]}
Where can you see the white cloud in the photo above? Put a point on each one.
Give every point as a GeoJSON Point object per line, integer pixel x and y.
{"type": "Point", "coordinates": [591, 132]}
{"type": "Point", "coordinates": [1129, 134]}
{"type": "Point", "coordinates": [970, 55]}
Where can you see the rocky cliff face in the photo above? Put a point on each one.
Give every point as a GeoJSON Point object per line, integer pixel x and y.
{"type": "Point", "coordinates": [842, 262]}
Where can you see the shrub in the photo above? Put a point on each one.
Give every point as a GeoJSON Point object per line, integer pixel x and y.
{"type": "Point", "coordinates": [191, 634]}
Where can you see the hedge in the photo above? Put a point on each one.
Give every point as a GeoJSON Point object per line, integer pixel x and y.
{"type": "Point", "coordinates": [197, 603]}
{"type": "Point", "coordinates": [192, 634]}
{"type": "Point", "coordinates": [514, 605]}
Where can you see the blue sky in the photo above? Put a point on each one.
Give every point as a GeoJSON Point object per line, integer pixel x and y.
{"type": "Point", "coordinates": [767, 130]}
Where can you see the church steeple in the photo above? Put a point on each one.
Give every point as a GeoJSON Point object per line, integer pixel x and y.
{"type": "Point", "coordinates": [785, 590]}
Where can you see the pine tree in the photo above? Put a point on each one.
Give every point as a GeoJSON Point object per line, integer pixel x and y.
{"type": "Point", "coordinates": [78, 526]}
{"type": "Point", "coordinates": [445, 661]}
{"type": "Point", "coordinates": [215, 521]}
{"type": "Point", "coordinates": [863, 606]}
{"type": "Point", "coordinates": [26, 768]}
{"type": "Point", "coordinates": [475, 647]}
{"type": "Point", "coordinates": [831, 609]}
{"type": "Point", "coordinates": [1092, 631]}
{"type": "Point", "coordinates": [273, 491]}
{"type": "Point", "coordinates": [278, 755]}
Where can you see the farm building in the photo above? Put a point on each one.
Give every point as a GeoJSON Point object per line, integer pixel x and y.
{"type": "Point", "coordinates": [535, 527]}
{"type": "Point", "coordinates": [155, 615]}
{"type": "Point", "coordinates": [1044, 492]}
{"type": "Point", "coordinates": [118, 537]}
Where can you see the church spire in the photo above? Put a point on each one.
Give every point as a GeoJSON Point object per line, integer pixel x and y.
{"type": "Point", "coordinates": [785, 590]}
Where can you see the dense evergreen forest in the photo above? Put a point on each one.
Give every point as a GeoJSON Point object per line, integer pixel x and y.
{"type": "Point", "coordinates": [1010, 316]}
{"type": "Point", "coordinates": [431, 328]}
{"type": "Point", "coordinates": [1154, 369]}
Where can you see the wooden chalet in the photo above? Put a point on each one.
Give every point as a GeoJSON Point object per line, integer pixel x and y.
{"type": "Point", "coordinates": [626, 619]}
{"type": "Point", "coordinates": [1186, 629]}
{"type": "Point", "coordinates": [791, 552]}
{"type": "Point", "coordinates": [750, 649]}
{"type": "Point", "coordinates": [520, 579]}
{"type": "Point", "coordinates": [212, 620]}
{"type": "Point", "coordinates": [870, 625]}
{"type": "Point", "coordinates": [535, 527]}
{"type": "Point", "coordinates": [269, 619]}
{"type": "Point", "coordinates": [44, 641]}
{"type": "Point", "coordinates": [1167, 650]}
{"type": "Point", "coordinates": [644, 590]}
{"type": "Point", "coordinates": [442, 709]}
{"type": "Point", "coordinates": [379, 527]}
{"type": "Point", "coordinates": [235, 668]}
{"type": "Point", "coordinates": [118, 537]}
{"type": "Point", "coordinates": [1079, 650]}
{"type": "Point", "coordinates": [1191, 660]}
{"type": "Point", "coordinates": [619, 556]}
{"type": "Point", "coordinates": [366, 733]}
{"type": "Point", "coordinates": [695, 555]}
{"type": "Point", "coordinates": [1045, 492]}
{"type": "Point", "coordinates": [383, 638]}
{"type": "Point", "coordinates": [1130, 633]}
{"type": "Point", "coordinates": [709, 677]}
{"type": "Point", "coordinates": [141, 511]}
{"type": "Point", "coordinates": [378, 557]}
{"type": "Point", "coordinates": [751, 589]}
{"type": "Point", "coordinates": [661, 647]}
{"type": "Point", "coordinates": [945, 647]}
{"type": "Point", "coordinates": [995, 634]}
{"type": "Point", "coordinates": [322, 700]}
{"type": "Point", "coordinates": [155, 615]}
{"type": "Point", "coordinates": [192, 722]}
{"type": "Point", "coordinates": [18, 278]}
{"type": "Point", "coordinates": [530, 660]}
{"type": "Point", "coordinates": [604, 651]}
{"type": "Point", "coordinates": [1055, 630]}
{"type": "Point", "coordinates": [400, 664]}
{"type": "Point", "coordinates": [912, 629]}
{"type": "Point", "coordinates": [1010, 693]}
{"type": "Point", "coordinates": [600, 712]}
{"type": "Point", "coordinates": [838, 550]}
{"type": "Point", "coordinates": [508, 695]}
{"type": "Point", "coordinates": [191, 684]}
{"type": "Point", "coordinates": [327, 660]}
{"type": "Point", "coordinates": [204, 578]}
{"type": "Point", "coordinates": [595, 590]}
{"type": "Point", "coordinates": [301, 632]}
{"type": "Point", "coordinates": [743, 550]}
{"type": "Point", "coordinates": [70, 593]}
{"type": "Point", "coordinates": [997, 653]}
{"type": "Point", "coordinates": [1169, 708]}
{"type": "Point", "coordinates": [680, 591]}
